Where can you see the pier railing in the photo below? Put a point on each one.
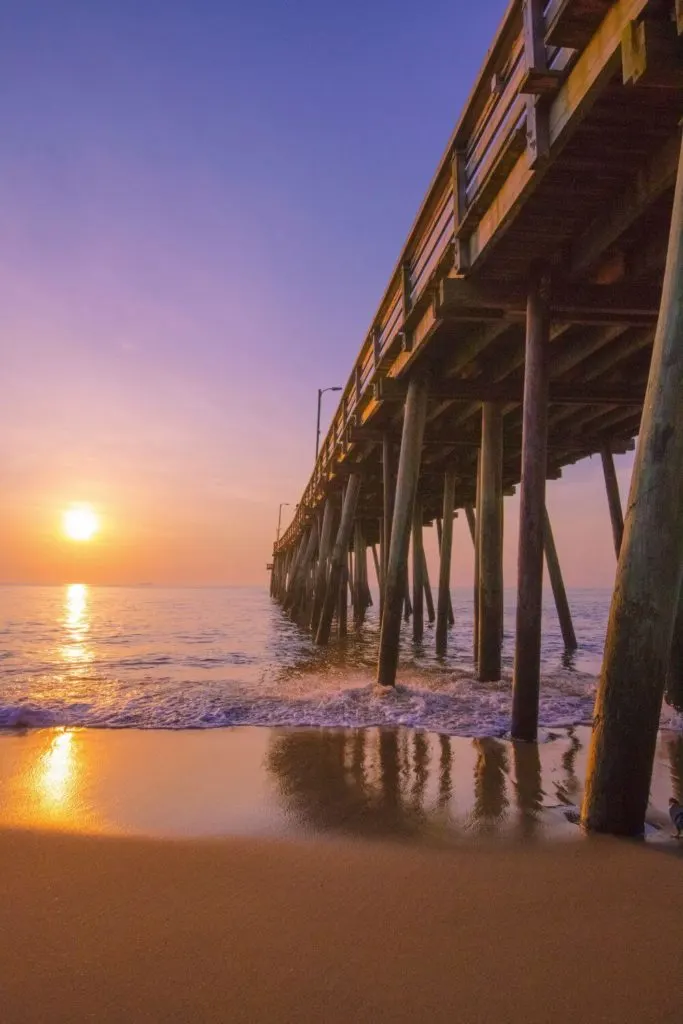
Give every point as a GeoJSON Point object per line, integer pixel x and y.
{"type": "Point", "coordinates": [499, 122]}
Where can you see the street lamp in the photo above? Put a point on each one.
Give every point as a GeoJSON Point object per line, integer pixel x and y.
{"type": "Point", "coordinates": [279, 519]}
{"type": "Point", "coordinates": [321, 392]}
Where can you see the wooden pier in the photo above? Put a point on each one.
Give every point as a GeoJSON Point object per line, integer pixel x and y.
{"type": "Point", "coordinates": [537, 300]}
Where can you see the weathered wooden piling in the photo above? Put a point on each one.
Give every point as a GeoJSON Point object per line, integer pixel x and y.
{"type": "Point", "coordinates": [451, 616]}
{"type": "Point", "coordinates": [325, 548]}
{"type": "Point", "coordinates": [490, 544]}
{"type": "Point", "coordinates": [674, 679]}
{"type": "Point", "coordinates": [477, 554]}
{"type": "Point", "coordinates": [429, 597]}
{"type": "Point", "coordinates": [295, 561]}
{"type": "Point", "coordinates": [343, 601]}
{"type": "Point", "coordinates": [471, 524]}
{"type": "Point", "coordinates": [616, 514]}
{"type": "Point", "coordinates": [297, 591]}
{"type": "Point", "coordinates": [339, 558]}
{"type": "Point", "coordinates": [358, 582]}
{"type": "Point", "coordinates": [418, 568]}
{"type": "Point", "coordinates": [648, 583]}
{"type": "Point", "coordinates": [388, 487]}
{"type": "Point", "coordinates": [445, 547]}
{"type": "Point", "coordinates": [527, 668]}
{"type": "Point", "coordinates": [408, 471]}
{"type": "Point", "coordinates": [378, 566]}
{"type": "Point", "coordinates": [407, 603]}
{"type": "Point", "coordinates": [557, 584]}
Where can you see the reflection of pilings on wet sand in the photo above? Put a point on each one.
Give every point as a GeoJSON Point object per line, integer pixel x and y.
{"type": "Point", "coordinates": [528, 784]}
{"type": "Point", "coordinates": [421, 768]}
{"type": "Point", "coordinates": [490, 782]}
{"type": "Point", "coordinates": [389, 764]}
{"type": "Point", "coordinates": [675, 750]}
{"type": "Point", "coordinates": [572, 785]}
{"type": "Point", "coordinates": [445, 768]}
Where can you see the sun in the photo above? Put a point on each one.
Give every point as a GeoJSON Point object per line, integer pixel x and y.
{"type": "Point", "coordinates": [80, 522]}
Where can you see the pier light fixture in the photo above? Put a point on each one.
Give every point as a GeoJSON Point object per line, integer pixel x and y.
{"type": "Point", "coordinates": [321, 392]}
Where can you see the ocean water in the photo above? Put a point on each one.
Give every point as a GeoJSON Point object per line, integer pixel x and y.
{"type": "Point", "coordinates": [190, 658]}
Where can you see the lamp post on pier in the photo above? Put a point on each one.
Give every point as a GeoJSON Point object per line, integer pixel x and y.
{"type": "Point", "coordinates": [279, 519]}
{"type": "Point", "coordinates": [321, 392]}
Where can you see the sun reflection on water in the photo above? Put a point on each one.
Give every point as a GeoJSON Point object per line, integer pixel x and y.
{"type": "Point", "coordinates": [76, 623]}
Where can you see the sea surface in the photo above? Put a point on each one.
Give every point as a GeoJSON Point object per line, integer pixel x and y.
{"type": "Point", "coordinates": [202, 658]}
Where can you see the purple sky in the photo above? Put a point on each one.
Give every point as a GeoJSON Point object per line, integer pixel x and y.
{"type": "Point", "coordinates": [200, 207]}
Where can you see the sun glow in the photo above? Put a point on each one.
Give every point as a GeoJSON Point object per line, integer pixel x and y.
{"type": "Point", "coordinates": [80, 523]}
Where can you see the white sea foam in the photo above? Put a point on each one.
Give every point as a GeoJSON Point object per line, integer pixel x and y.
{"type": "Point", "coordinates": [127, 658]}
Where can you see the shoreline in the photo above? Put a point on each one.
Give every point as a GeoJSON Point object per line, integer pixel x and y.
{"type": "Point", "coordinates": [372, 783]}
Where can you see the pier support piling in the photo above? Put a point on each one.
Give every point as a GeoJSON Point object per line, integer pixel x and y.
{"type": "Point", "coordinates": [648, 583]}
{"type": "Point", "coordinates": [443, 605]}
{"type": "Point", "coordinates": [406, 486]}
{"type": "Point", "coordinates": [343, 601]}
{"type": "Point", "coordinates": [429, 597]}
{"type": "Point", "coordinates": [451, 616]}
{"type": "Point", "coordinates": [388, 505]}
{"type": "Point", "coordinates": [418, 568]}
{"type": "Point", "coordinates": [557, 584]}
{"type": "Point", "coordinates": [339, 558]}
{"type": "Point", "coordinates": [490, 544]}
{"type": "Point", "coordinates": [616, 514]}
{"type": "Point", "coordinates": [527, 669]}
{"type": "Point", "coordinates": [674, 681]}
{"type": "Point", "coordinates": [325, 547]}
{"type": "Point", "coordinates": [477, 553]}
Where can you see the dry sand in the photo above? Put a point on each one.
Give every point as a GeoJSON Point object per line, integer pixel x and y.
{"type": "Point", "coordinates": [112, 929]}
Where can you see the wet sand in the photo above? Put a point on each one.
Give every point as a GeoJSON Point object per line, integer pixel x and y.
{"type": "Point", "coordinates": [268, 930]}
{"type": "Point", "coordinates": [326, 875]}
{"type": "Point", "coordinates": [395, 784]}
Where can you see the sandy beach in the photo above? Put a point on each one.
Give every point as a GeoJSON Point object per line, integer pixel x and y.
{"type": "Point", "coordinates": [266, 875]}
{"type": "Point", "coordinates": [261, 930]}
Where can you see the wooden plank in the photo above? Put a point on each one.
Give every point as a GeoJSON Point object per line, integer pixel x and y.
{"type": "Point", "coordinates": [539, 78]}
{"type": "Point", "coordinates": [592, 70]}
{"type": "Point", "coordinates": [390, 390]}
{"type": "Point", "coordinates": [651, 55]}
{"type": "Point", "coordinates": [656, 176]}
{"type": "Point", "coordinates": [569, 302]}
{"type": "Point", "coordinates": [571, 23]}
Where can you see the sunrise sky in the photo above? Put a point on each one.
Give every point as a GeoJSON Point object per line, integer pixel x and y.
{"type": "Point", "coordinates": [200, 206]}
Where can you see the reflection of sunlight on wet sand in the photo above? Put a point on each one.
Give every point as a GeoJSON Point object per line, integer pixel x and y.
{"type": "Point", "coordinates": [56, 775]}
{"type": "Point", "coordinates": [77, 624]}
